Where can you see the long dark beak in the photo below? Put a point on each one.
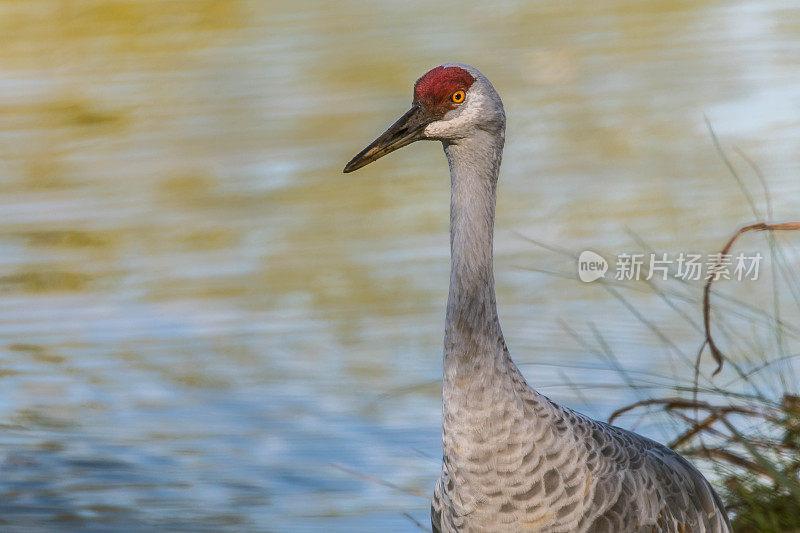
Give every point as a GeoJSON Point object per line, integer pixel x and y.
{"type": "Point", "coordinates": [405, 131]}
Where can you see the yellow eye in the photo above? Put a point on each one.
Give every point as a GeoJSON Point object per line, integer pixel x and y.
{"type": "Point", "coordinates": [457, 97]}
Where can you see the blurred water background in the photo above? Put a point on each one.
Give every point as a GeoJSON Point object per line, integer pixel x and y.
{"type": "Point", "coordinates": [201, 316]}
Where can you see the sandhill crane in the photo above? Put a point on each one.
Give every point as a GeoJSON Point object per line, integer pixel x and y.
{"type": "Point", "coordinates": [513, 459]}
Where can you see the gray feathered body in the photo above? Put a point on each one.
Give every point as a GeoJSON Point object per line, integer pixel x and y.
{"type": "Point", "coordinates": [513, 460]}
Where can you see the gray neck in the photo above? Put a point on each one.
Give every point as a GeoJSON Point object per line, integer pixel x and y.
{"type": "Point", "coordinates": [472, 329]}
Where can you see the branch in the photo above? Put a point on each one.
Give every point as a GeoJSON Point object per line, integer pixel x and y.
{"type": "Point", "coordinates": [709, 340]}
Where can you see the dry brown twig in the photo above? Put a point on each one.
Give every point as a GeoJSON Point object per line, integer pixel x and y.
{"type": "Point", "coordinates": [709, 339]}
{"type": "Point", "coordinates": [670, 404]}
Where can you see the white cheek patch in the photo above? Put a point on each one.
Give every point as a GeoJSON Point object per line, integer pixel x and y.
{"type": "Point", "coordinates": [436, 129]}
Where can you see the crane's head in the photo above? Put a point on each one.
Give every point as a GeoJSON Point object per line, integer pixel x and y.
{"type": "Point", "coordinates": [451, 102]}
